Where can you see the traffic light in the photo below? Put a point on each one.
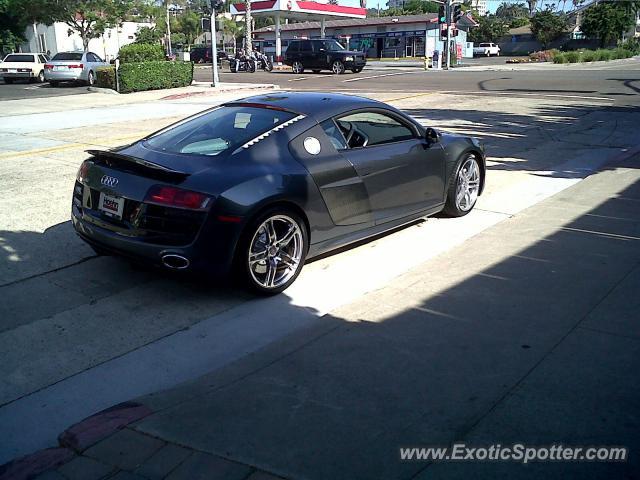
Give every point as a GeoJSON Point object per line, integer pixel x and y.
{"type": "Point", "coordinates": [457, 12]}
{"type": "Point", "coordinates": [443, 31]}
{"type": "Point", "coordinates": [442, 14]}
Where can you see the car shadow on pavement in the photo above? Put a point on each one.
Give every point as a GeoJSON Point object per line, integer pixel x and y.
{"type": "Point", "coordinates": [558, 141]}
{"type": "Point", "coordinates": [535, 342]}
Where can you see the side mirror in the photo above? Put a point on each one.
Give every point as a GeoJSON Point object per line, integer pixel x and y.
{"type": "Point", "coordinates": [431, 135]}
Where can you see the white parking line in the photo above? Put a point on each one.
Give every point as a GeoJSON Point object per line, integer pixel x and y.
{"type": "Point", "coordinates": [377, 76]}
{"type": "Point", "coordinates": [308, 77]}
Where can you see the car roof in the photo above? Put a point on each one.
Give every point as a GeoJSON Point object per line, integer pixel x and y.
{"type": "Point", "coordinates": [319, 105]}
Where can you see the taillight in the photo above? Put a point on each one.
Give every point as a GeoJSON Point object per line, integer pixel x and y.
{"type": "Point", "coordinates": [75, 66]}
{"type": "Point", "coordinates": [48, 66]}
{"type": "Point", "coordinates": [83, 172]}
{"type": "Point", "coordinates": [176, 197]}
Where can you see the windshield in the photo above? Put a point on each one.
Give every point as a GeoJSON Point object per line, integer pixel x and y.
{"type": "Point", "coordinates": [67, 56]}
{"type": "Point", "coordinates": [218, 130]}
{"type": "Point", "coordinates": [19, 58]}
{"type": "Point", "coordinates": [332, 46]}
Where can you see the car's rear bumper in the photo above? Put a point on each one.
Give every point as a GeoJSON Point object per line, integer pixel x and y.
{"type": "Point", "coordinates": [17, 75]}
{"type": "Point", "coordinates": [65, 76]}
{"type": "Point", "coordinates": [211, 252]}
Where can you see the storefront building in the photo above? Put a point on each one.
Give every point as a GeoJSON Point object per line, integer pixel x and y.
{"type": "Point", "coordinates": [380, 37]}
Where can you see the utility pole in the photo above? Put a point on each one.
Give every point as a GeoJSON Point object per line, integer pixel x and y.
{"type": "Point", "coordinates": [168, 32]}
{"type": "Point", "coordinates": [248, 43]}
{"type": "Point", "coordinates": [214, 48]}
{"type": "Point", "coordinates": [447, 9]}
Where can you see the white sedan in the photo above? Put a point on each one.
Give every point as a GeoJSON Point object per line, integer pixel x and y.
{"type": "Point", "coordinates": [73, 67]}
{"type": "Point", "coordinates": [486, 49]}
{"type": "Point", "coordinates": [28, 66]}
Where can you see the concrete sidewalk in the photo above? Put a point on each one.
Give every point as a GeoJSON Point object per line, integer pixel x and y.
{"type": "Point", "coordinates": [526, 333]}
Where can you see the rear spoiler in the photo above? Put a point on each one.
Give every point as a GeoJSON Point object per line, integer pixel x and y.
{"type": "Point", "coordinates": [138, 165]}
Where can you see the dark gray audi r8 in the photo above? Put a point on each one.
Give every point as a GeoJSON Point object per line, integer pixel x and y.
{"type": "Point", "coordinates": [262, 184]}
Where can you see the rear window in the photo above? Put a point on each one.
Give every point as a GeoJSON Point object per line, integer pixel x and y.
{"type": "Point", "coordinates": [217, 131]}
{"type": "Point", "coordinates": [19, 58]}
{"type": "Point", "coordinates": [67, 56]}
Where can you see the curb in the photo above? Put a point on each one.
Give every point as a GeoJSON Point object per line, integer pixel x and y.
{"type": "Point", "coordinates": [103, 90]}
{"type": "Point", "coordinates": [214, 91]}
{"type": "Point", "coordinates": [75, 440]}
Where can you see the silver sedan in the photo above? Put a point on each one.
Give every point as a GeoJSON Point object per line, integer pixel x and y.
{"type": "Point", "coordinates": [73, 67]}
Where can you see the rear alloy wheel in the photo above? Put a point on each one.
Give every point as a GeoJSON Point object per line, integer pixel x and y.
{"type": "Point", "coordinates": [337, 67]}
{"type": "Point", "coordinates": [275, 251]}
{"type": "Point", "coordinates": [297, 68]}
{"type": "Point", "coordinates": [41, 77]}
{"type": "Point", "coordinates": [91, 79]}
{"type": "Point", "coordinates": [464, 188]}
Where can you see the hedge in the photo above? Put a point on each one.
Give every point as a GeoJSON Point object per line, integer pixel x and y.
{"type": "Point", "coordinates": [136, 77]}
{"type": "Point", "coordinates": [106, 77]}
{"type": "Point", "coordinates": [143, 52]}
{"type": "Point", "coordinates": [599, 55]}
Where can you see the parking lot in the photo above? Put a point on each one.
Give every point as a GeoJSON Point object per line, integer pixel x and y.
{"type": "Point", "coordinates": [81, 333]}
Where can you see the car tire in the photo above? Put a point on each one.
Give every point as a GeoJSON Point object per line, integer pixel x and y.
{"type": "Point", "coordinates": [91, 79]}
{"type": "Point", "coordinates": [269, 263]}
{"type": "Point", "coordinates": [464, 187]}
{"type": "Point", "coordinates": [297, 67]}
{"type": "Point", "coordinates": [8, 81]}
{"type": "Point", "coordinates": [357, 70]}
{"type": "Point", "coordinates": [40, 76]}
{"type": "Point", "coordinates": [337, 67]}
{"type": "Point", "coordinates": [54, 83]}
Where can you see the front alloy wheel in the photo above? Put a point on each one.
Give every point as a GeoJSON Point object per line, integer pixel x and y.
{"type": "Point", "coordinates": [297, 68]}
{"type": "Point", "coordinates": [464, 189]}
{"type": "Point", "coordinates": [276, 252]}
{"type": "Point", "coordinates": [337, 67]}
{"type": "Point", "coordinates": [91, 79]}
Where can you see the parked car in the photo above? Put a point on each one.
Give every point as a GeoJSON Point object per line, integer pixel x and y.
{"type": "Point", "coordinates": [203, 55]}
{"type": "Point", "coordinates": [73, 67]}
{"type": "Point", "coordinates": [260, 184]}
{"type": "Point", "coordinates": [317, 55]}
{"type": "Point", "coordinates": [28, 66]}
{"type": "Point", "coordinates": [486, 49]}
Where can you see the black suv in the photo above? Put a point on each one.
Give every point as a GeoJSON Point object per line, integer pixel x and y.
{"type": "Point", "coordinates": [203, 55]}
{"type": "Point", "coordinates": [321, 54]}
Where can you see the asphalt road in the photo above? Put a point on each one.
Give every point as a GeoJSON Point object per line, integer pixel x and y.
{"type": "Point", "coordinates": [23, 89]}
{"type": "Point", "coordinates": [621, 83]}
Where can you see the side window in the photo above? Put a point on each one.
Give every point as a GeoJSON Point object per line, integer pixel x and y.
{"type": "Point", "coordinates": [334, 134]}
{"type": "Point", "coordinates": [305, 46]}
{"type": "Point", "coordinates": [96, 58]}
{"type": "Point", "coordinates": [366, 129]}
{"type": "Point", "coordinates": [42, 59]}
{"type": "Point", "coordinates": [293, 47]}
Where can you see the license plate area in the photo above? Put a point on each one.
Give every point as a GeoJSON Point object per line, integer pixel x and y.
{"type": "Point", "coordinates": [111, 205]}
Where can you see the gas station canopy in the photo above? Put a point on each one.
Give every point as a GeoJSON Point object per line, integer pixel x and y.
{"type": "Point", "coordinates": [298, 10]}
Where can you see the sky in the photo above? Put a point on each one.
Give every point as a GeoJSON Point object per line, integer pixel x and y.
{"type": "Point", "coordinates": [493, 4]}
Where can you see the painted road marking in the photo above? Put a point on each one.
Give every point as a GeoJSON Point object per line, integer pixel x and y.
{"type": "Point", "coordinates": [378, 76]}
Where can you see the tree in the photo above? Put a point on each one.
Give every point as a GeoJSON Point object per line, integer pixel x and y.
{"type": "Point", "coordinates": [607, 21]}
{"type": "Point", "coordinates": [490, 29]}
{"type": "Point", "coordinates": [148, 35]}
{"type": "Point", "coordinates": [17, 15]}
{"type": "Point", "coordinates": [90, 18]}
{"type": "Point", "coordinates": [547, 26]}
{"type": "Point", "coordinates": [511, 11]}
{"type": "Point", "coordinates": [189, 25]}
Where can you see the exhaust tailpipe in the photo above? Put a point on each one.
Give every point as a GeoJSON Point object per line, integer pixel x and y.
{"type": "Point", "coordinates": [175, 261]}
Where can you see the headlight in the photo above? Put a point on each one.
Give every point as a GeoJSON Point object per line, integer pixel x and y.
{"type": "Point", "coordinates": [348, 59]}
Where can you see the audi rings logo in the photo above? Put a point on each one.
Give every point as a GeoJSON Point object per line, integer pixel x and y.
{"type": "Point", "coordinates": [109, 181]}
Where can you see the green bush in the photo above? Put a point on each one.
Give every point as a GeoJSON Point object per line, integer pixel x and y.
{"type": "Point", "coordinates": [632, 45]}
{"type": "Point", "coordinates": [620, 53]}
{"type": "Point", "coordinates": [141, 52]}
{"type": "Point", "coordinates": [602, 55]}
{"type": "Point", "coordinates": [106, 77]}
{"type": "Point", "coordinates": [136, 77]}
{"type": "Point", "coordinates": [560, 58]}
{"type": "Point", "coordinates": [588, 56]}
{"type": "Point", "coordinates": [572, 57]}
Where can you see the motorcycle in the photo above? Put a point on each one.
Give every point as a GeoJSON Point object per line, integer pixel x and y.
{"type": "Point", "coordinates": [264, 62]}
{"type": "Point", "coordinates": [242, 63]}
